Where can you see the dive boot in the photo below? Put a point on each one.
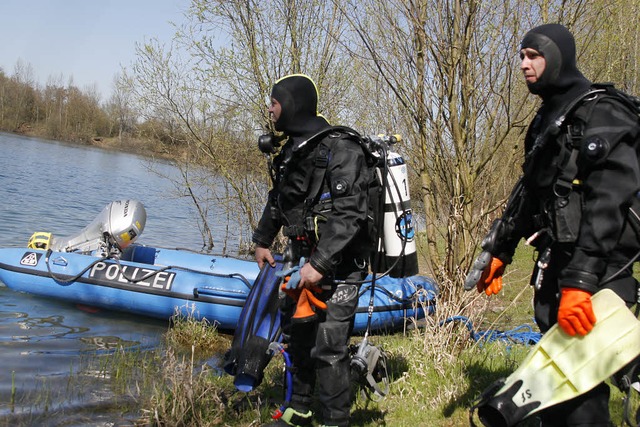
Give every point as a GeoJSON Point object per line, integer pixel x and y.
{"type": "Point", "coordinates": [291, 417]}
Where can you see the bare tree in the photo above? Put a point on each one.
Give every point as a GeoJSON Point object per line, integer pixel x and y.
{"type": "Point", "coordinates": [450, 73]}
{"type": "Point", "coordinates": [54, 98]}
{"type": "Point", "coordinates": [443, 73]}
{"type": "Point", "coordinates": [609, 44]}
{"type": "Point", "coordinates": [120, 105]}
{"type": "Point", "coordinates": [450, 68]}
{"type": "Point", "coordinates": [259, 42]}
{"type": "Point", "coordinates": [213, 93]}
{"type": "Point", "coordinates": [22, 97]}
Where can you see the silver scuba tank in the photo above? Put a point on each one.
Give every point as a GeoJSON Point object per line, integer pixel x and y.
{"type": "Point", "coordinates": [397, 248]}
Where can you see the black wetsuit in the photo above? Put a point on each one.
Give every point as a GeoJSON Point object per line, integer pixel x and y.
{"type": "Point", "coordinates": [585, 227]}
{"type": "Point", "coordinates": [340, 212]}
{"type": "Point", "coordinates": [331, 233]}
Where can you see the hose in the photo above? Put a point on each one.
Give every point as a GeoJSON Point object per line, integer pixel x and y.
{"type": "Point", "coordinates": [273, 347]}
{"type": "Point", "coordinates": [523, 334]}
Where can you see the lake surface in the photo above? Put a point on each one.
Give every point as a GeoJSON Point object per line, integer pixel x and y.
{"type": "Point", "coordinates": [60, 188]}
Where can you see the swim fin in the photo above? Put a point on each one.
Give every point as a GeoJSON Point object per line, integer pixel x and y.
{"type": "Point", "coordinates": [561, 367]}
{"type": "Point", "coordinates": [258, 326]}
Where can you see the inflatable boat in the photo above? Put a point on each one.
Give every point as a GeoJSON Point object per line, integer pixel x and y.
{"type": "Point", "coordinates": [103, 267]}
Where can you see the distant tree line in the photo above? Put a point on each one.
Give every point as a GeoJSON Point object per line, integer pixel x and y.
{"type": "Point", "coordinates": [61, 110]}
{"type": "Point", "coordinates": [56, 111]}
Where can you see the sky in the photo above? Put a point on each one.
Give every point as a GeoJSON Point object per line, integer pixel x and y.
{"type": "Point", "coordinates": [87, 40]}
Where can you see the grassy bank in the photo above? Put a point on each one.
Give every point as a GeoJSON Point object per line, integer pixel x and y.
{"type": "Point", "coordinates": [436, 370]}
{"type": "Point", "coordinates": [144, 146]}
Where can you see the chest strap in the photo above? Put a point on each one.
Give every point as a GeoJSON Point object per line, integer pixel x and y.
{"type": "Point", "coordinates": [571, 146]}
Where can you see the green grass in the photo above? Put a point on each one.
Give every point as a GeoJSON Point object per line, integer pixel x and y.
{"type": "Point", "coordinates": [437, 371]}
{"type": "Point", "coordinates": [428, 387]}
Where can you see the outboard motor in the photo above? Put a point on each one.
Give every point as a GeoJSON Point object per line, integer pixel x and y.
{"type": "Point", "coordinates": [116, 227]}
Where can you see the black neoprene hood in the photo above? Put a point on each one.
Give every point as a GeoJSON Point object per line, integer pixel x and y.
{"type": "Point", "coordinates": [557, 45]}
{"type": "Point", "coordinates": [298, 96]}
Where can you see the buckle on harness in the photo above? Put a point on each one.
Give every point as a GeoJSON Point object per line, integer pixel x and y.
{"type": "Point", "coordinates": [293, 231]}
{"type": "Point", "coordinates": [562, 189]}
{"type": "Point", "coordinates": [322, 158]}
{"type": "Point", "coordinates": [575, 132]}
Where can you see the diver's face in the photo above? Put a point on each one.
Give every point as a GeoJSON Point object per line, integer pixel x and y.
{"type": "Point", "coordinates": [275, 110]}
{"type": "Point", "coordinates": [532, 64]}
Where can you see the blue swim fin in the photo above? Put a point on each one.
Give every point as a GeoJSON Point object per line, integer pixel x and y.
{"type": "Point", "coordinates": [561, 367]}
{"type": "Point", "coordinates": [258, 326]}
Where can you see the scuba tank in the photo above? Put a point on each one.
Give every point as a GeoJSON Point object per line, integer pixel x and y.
{"type": "Point", "coordinates": [397, 245]}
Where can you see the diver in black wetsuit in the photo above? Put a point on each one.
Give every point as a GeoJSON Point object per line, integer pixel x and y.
{"type": "Point", "coordinates": [576, 208]}
{"type": "Point", "coordinates": [329, 231]}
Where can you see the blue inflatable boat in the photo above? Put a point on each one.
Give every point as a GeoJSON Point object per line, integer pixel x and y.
{"type": "Point", "coordinates": [159, 282]}
{"type": "Point", "coordinates": [102, 267]}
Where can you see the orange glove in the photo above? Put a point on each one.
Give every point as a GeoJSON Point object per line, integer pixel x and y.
{"type": "Point", "coordinates": [491, 280]}
{"type": "Point", "coordinates": [575, 314]}
{"type": "Point", "coordinates": [305, 303]}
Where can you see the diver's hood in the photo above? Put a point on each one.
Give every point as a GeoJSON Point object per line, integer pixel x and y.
{"type": "Point", "coordinates": [298, 96]}
{"type": "Point", "coordinates": [557, 45]}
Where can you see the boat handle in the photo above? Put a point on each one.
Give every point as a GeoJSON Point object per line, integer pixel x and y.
{"type": "Point", "coordinates": [211, 291]}
{"type": "Point", "coordinates": [60, 261]}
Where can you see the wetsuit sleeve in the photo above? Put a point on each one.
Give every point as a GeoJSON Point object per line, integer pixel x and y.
{"type": "Point", "coordinates": [609, 183]}
{"type": "Point", "coordinates": [348, 179]}
{"type": "Point", "coordinates": [269, 225]}
{"type": "Point", "coordinates": [519, 226]}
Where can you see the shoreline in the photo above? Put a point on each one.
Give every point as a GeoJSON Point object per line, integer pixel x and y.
{"type": "Point", "coordinates": [141, 146]}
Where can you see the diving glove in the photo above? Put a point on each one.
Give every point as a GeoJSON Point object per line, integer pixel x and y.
{"type": "Point", "coordinates": [291, 276]}
{"type": "Point", "coordinates": [305, 303]}
{"type": "Point", "coordinates": [491, 280]}
{"type": "Point", "coordinates": [575, 314]}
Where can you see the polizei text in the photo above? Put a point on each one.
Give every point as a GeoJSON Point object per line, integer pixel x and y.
{"type": "Point", "coordinates": [132, 275]}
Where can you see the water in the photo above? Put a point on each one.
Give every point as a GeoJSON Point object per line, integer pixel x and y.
{"type": "Point", "coordinates": [58, 187]}
{"type": "Point", "coordinates": [44, 345]}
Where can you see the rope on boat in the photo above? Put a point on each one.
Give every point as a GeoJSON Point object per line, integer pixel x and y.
{"type": "Point", "coordinates": [67, 280]}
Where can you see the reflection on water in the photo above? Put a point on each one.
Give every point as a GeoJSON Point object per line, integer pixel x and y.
{"type": "Point", "coordinates": [44, 328]}
{"type": "Point", "coordinates": [109, 344]}
{"type": "Point", "coordinates": [50, 351]}
{"type": "Point", "coordinates": [49, 357]}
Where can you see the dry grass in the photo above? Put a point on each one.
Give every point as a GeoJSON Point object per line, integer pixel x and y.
{"type": "Point", "coordinates": [200, 337]}
{"type": "Point", "coordinates": [184, 394]}
{"type": "Point", "coordinates": [436, 369]}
